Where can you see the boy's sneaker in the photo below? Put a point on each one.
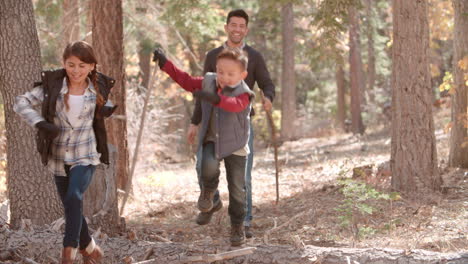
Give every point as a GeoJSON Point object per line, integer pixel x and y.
{"type": "Point", "coordinates": [237, 235]}
{"type": "Point", "coordinates": [205, 218]}
{"type": "Point", "coordinates": [205, 201]}
{"type": "Point", "coordinates": [248, 232]}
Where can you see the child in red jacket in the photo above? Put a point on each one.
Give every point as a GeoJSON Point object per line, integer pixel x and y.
{"type": "Point", "coordinates": [224, 132]}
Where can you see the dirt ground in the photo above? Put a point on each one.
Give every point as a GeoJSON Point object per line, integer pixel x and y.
{"type": "Point", "coordinates": [164, 200]}
{"type": "Point", "coordinates": [313, 211]}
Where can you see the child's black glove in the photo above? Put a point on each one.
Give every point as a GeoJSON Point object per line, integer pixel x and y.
{"type": "Point", "coordinates": [49, 129]}
{"type": "Point", "coordinates": [208, 96]}
{"type": "Point", "coordinates": [160, 57]}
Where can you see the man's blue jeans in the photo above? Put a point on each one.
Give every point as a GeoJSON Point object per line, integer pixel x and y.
{"type": "Point", "coordinates": [248, 178]}
{"type": "Point", "coordinates": [71, 191]}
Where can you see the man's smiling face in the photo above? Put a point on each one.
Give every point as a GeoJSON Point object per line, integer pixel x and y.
{"type": "Point", "coordinates": [236, 30]}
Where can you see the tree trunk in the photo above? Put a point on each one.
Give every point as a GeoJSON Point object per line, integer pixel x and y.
{"type": "Point", "coordinates": [370, 52]}
{"type": "Point", "coordinates": [355, 72]}
{"type": "Point", "coordinates": [458, 156]}
{"type": "Point", "coordinates": [100, 200]}
{"type": "Point", "coordinates": [340, 98]}
{"type": "Point", "coordinates": [288, 82]}
{"type": "Point", "coordinates": [108, 45]}
{"type": "Point", "coordinates": [70, 22]}
{"type": "Point", "coordinates": [89, 20]}
{"type": "Point", "coordinates": [414, 154]}
{"type": "Point", "coordinates": [31, 188]}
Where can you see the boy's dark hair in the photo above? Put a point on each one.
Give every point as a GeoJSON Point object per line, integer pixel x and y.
{"type": "Point", "coordinates": [234, 54]}
{"type": "Point", "coordinates": [238, 13]}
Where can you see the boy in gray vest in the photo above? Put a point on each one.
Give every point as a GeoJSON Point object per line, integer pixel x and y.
{"type": "Point", "coordinates": [225, 128]}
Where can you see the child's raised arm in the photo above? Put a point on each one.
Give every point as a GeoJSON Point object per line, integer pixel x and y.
{"type": "Point", "coordinates": [186, 81]}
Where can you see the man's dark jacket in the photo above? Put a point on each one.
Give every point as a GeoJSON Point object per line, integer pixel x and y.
{"type": "Point", "coordinates": [52, 82]}
{"type": "Point", "coordinates": [257, 72]}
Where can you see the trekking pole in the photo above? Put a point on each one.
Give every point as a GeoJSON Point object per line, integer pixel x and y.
{"type": "Point", "coordinates": [275, 145]}
{"type": "Point", "coordinates": [151, 81]}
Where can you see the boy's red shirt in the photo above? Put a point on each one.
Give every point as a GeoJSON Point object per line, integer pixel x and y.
{"type": "Point", "coordinates": [192, 84]}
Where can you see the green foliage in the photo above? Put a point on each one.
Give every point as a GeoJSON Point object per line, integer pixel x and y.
{"type": "Point", "coordinates": [331, 18]}
{"type": "Point", "coordinates": [261, 127]}
{"type": "Point", "coordinates": [447, 82]}
{"type": "Point", "coordinates": [358, 204]}
{"type": "Point", "coordinates": [392, 224]}
{"type": "Point", "coordinates": [366, 231]}
{"type": "Point", "coordinates": [328, 47]}
{"type": "Point", "coordinates": [194, 16]}
{"type": "Point", "coordinates": [49, 10]}
{"type": "Point", "coordinates": [147, 45]}
{"type": "Point", "coordinates": [183, 28]}
{"type": "Point", "coordinates": [380, 26]}
{"type": "Point", "coordinates": [48, 23]}
{"type": "Point", "coordinates": [321, 98]}
{"type": "Point", "coordinates": [250, 6]}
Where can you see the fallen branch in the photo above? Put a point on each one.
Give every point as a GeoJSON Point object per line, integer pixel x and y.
{"type": "Point", "coordinates": [161, 238]}
{"type": "Point", "coordinates": [276, 228]}
{"type": "Point", "coordinates": [57, 224]}
{"type": "Point", "coordinates": [45, 243]}
{"type": "Point", "coordinates": [148, 254]}
{"type": "Point", "coordinates": [29, 261]}
{"type": "Point", "coordinates": [51, 259]}
{"type": "Point", "coordinates": [382, 255]}
{"type": "Point", "coordinates": [208, 257]}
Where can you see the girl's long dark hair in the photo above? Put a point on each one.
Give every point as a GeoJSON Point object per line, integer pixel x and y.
{"type": "Point", "coordinates": [83, 51]}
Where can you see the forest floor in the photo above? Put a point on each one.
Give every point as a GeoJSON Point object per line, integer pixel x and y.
{"type": "Point", "coordinates": [316, 207]}
{"type": "Point", "coordinates": [311, 191]}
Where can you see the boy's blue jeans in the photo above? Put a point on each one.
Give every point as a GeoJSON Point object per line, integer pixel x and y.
{"type": "Point", "coordinates": [235, 175]}
{"type": "Point", "coordinates": [248, 178]}
{"type": "Point", "coordinates": [71, 191]}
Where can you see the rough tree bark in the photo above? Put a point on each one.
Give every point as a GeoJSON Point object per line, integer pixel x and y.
{"type": "Point", "coordinates": [31, 189]}
{"type": "Point", "coordinates": [70, 22]}
{"type": "Point", "coordinates": [88, 4]}
{"type": "Point", "coordinates": [340, 98]}
{"type": "Point", "coordinates": [414, 154]}
{"type": "Point", "coordinates": [370, 51]}
{"type": "Point", "coordinates": [458, 156]}
{"type": "Point", "coordinates": [108, 45]}
{"type": "Point", "coordinates": [288, 80]}
{"type": "Point", "coordinates": [355, 72]}
{"type": "Point", "coordinates": [100, 199]}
